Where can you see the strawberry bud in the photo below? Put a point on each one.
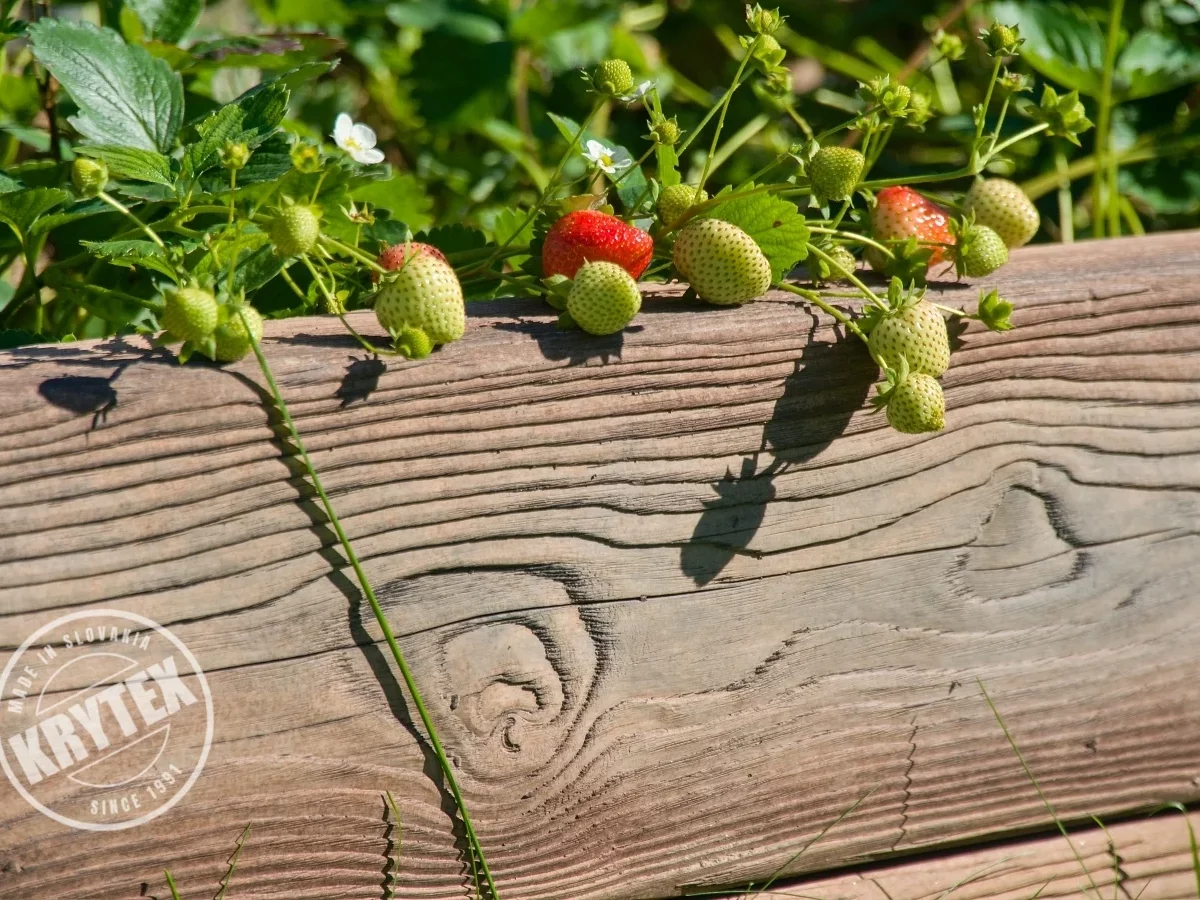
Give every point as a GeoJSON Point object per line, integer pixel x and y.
{"type": "Point", "coordinates": [90, 176]}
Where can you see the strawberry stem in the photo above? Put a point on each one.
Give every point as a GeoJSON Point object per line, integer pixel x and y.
{"type": "Point", "coordinates": [835, 266]}
{"type": "Point", "coordinates": [724, 105]}
{"type": "Point", "coordinates": [477, 855]}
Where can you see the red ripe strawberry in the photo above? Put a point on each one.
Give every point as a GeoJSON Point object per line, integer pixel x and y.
{"type": "Point", "coordinates": [588, 235]}
{"type": "Point", "coordinates": [392, 258]}
{"type": "Point", "coordinates": [901, 213]}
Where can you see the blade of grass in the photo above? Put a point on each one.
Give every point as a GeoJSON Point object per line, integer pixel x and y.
{"type": "Point", "coordinates": [171, 885]}
{"type": "Point", "coordinates": [476, 854]}
{"type": "Point", "coordinates": [237, 850]}
{"type": "Point", "coordinates": [389, 889]}
{"type": "Point", "coordinates": [1037, 787]}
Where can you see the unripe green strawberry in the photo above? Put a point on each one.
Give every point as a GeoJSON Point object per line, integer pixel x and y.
{"type": "Point", "coordinates": [834, 172]}
{"type": "Point", "coordinates": [721, 262]}
{"type": "Point", "coordinates": [232, 340]}
{"type": "Point", "coordinates": [979, 252]}
{"type": "Point", "coordinates": [190, 314]}
{"type": "Point", "coordinates": [604, 298]}
{"type": "Point", "coordinates": [295, 229]}
{"type": "Point", "coordinates": [676, 200]}
{"type": "Point", "coordinates": [1006, 209]}
{"type": "Point", "coordinates": [917, 405]}
{"type": "Point", "coordinates": [613, 77]}
{"type": "Point", "coordinates": [917, 332]}
{"type": "Point", "coordinates": [90, 176]}
{"type": "Point", "coordinates": [819, 270]}
{"type": "Point", "coordinates": [666, 132]}
{"type": "Point", "coordinates": [424, 295]}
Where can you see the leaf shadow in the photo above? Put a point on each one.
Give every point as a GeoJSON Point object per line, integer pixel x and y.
{"type": "Point", "coordinates": [361, 380]}
{"type": "Point", "coordinates": [830, 382]}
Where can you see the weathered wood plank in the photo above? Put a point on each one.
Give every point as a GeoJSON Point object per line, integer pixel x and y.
{"type": "Point", "coordinates": [1146, 858]}
{"type": "Point", "coordinates": [676, 600]}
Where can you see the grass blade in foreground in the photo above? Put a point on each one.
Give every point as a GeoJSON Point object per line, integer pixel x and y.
{"type": "Point", "coordinates": [477, 857]}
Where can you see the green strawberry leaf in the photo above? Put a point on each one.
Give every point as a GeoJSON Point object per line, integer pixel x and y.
{"type": "Point", "coordinates": [20, 209]}
{"type": "Point", "coordinates": [166, 20]}
{"type": "Point", "coordinates": [126, 97]}
{"type": "Point", "coordinates": [250, 119]}
{"type": "Point", "coordinates": [775, 224]}
{"type": "Point", "coordinates": [132, 163]}
{"type": "Point", "coordinates": [994, 312]}
{"type": "Point", "coordinates": [130, 254]}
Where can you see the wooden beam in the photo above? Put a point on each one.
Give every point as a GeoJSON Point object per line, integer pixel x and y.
{"type": "Point", "coordinates": [1147, 858]}
{"type": "Point", "coordinates": [676, 599]}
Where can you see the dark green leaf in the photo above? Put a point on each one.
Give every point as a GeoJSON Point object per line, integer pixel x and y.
{"type": "Point", "coordinates": [86, 209]}
{"type": "Point", "coordinates": [1062, 42]}
{"type": "Point", "coordinates": [133, 164]}
{"type": "Point", "coordinates": [20, 209]}
{"type": "Point", "coordinates": [250, 119]}
{"type": "Point", "coordinates": [268, 52]}
{"type": "Point", "coordinates": [130, 254]}
{"type": "Point", "coordinates": [126, 97]}
{"type": "Point", "coordinates": [774, 223]}
{"type": "Point", "coordinates": [402, 195]}
{"type": "Point", "coordinates": [167, 20]}
{"type": "Point", "coordinates": [1154, 63]}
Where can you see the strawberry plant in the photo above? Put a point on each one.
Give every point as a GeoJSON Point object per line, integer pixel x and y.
{"type": "Point", "coordinates": [142, 194]}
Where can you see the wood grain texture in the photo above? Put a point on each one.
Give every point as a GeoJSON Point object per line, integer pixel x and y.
{"type": "Point", "coordinates": [1146, 858]}
{"type": "Point", "coordinates": [675, 598]}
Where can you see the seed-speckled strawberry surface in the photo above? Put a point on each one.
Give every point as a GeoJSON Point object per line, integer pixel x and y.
{"type": "Point", "coordinates": [901, 213]}
{"type": "Point", "coordinates": [190, 314]}
{"type": "Point", "coordinates": [295, 230]}
{"type": "Point", "coordinates": [1002, 206]}
{"type": "Point", "coordinates": [232, 340]}
{"type": "Point", "coordinates": [393, 257]}
{"type": "Point", "coordinates": [604, 298]}
{"type": "Point", "coordinates": [588, 235]}
{"type": "Point", "coordinates": [983, 252]}
{"type": "Point", "coordinates": [917, 405]}
{"type": "Point", "coordinates": [834, 172]}
{"type": "Point", "coordinates": [425, 295]}
{"type": "Point", "coordinates": [676, 200]}
{"type": "Point", "coordinates": [721, 262]}
{"type": "Point", "coordinates": [918, 333]}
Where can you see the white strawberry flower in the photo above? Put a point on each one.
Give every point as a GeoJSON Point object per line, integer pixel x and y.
{"type": "Point", "coordinates": [357, 140]}
{"type": "Point", "coordinates": [604, 158]}
{"type": "Point", "coordinates": [640, 92]}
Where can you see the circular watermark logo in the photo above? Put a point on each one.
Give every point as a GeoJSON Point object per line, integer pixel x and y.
{"type": "Point", "coordinates": [105, 720]}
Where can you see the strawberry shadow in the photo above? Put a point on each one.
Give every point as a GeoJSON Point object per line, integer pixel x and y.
{"type": "Point", "coordinates": [571, 344]}
{"type": "Point", "coordinates": [830, 382]}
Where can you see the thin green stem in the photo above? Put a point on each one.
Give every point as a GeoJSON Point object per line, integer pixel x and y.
{"type": "Point", "coordinates": [852, 237]}
{"type": "Point", "coordinates": [636, 165]}
{"type": "Point", "coordinates": [835, 266]}
{"type": "Point", "coordinates": [708, 116]}
{"type": "Point", "coordinates": [364, 258]}
{"type": "Point", "coordinates": [739, 138]}
{"type": "Point", "coordinates": [737, 80]}
{"type": "Point", "coordinates": [171, 885]}
{"type": "Point", "coordinates": [777, 161]}
{"type": "Point", "coordinates": [550, 185]}
{"type": "Point", "coordinates": [987, 98]}
{"type": "Point", "coordinates": [999, 123]}
{"type": "Point", "coordinates": [409, 682]}
{"type": "Point", "coordinates": [1116, 11]}
{"type": "Point", "coordinates": [1004, 145]}
{"type": "Point", "coordinates": [125, 211]}
{"type": "Point", "coordinates": [1066, 203]}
